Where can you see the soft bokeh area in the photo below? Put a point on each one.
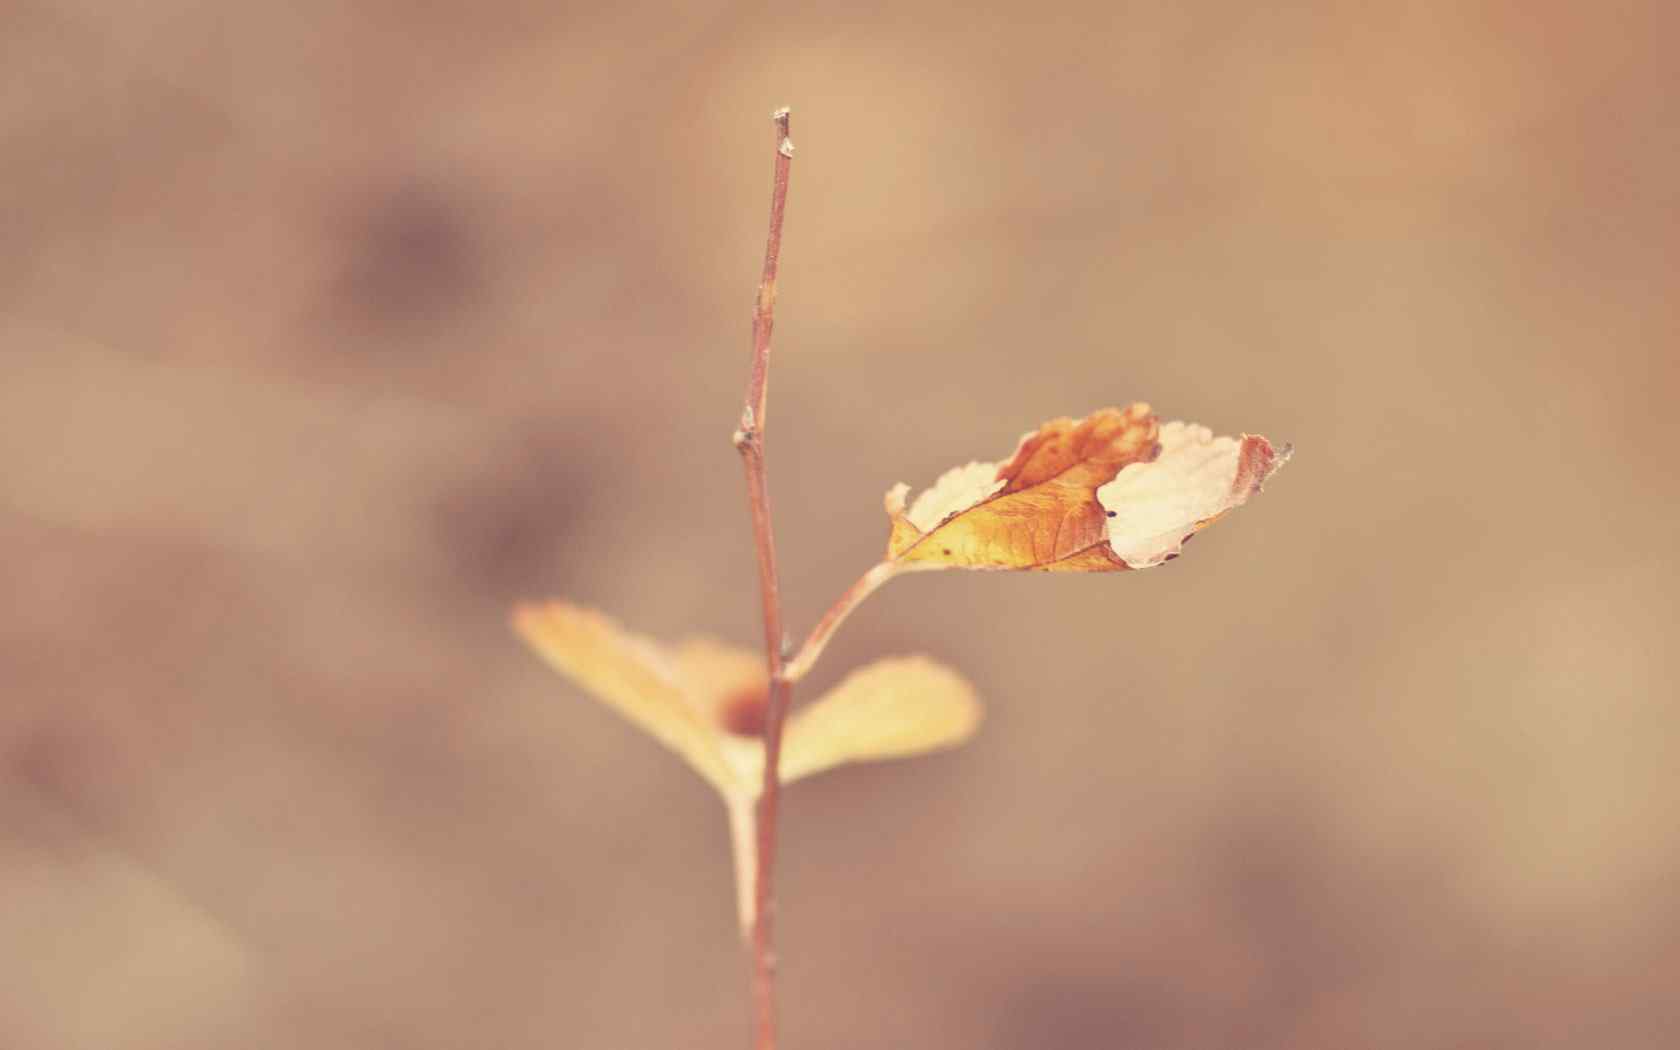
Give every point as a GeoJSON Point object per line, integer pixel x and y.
{"type": "Point", "coordinates": [328, 331]}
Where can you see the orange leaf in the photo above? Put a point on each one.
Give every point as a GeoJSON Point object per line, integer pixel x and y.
{"type": "Point", "coordinates": [1031, 512]}
{"type": "Point", "coordinates": [1113, 491]}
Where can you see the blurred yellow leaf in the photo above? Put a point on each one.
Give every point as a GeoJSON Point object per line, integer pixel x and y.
{"type": "Point", "coordinates": [706, 700]}
{"type": "Point", "coordinates": [629, 673]}
{"type": "Point", "coordinates": [892, 708]}
{"type": "Point", "coordinates": [1113, 491]}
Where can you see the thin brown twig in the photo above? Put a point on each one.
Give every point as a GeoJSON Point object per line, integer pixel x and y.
{"type": "Point", "coordinates": [749, 441]}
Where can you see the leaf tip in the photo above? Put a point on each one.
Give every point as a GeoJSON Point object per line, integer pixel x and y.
{"type": "Point", "coordinates": [1258, 460]}
{"type": "Point", "coordinates": [526, 616]}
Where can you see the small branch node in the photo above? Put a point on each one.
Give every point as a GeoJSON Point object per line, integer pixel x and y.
{"type": "Point", "coordinates": [747, 433]}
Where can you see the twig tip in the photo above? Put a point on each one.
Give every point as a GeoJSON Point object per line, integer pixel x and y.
{"type": "Point", "coordinates": [783, 147]}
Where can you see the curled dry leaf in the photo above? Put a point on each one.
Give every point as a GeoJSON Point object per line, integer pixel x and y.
{"type": "Point", "coordinates": [1116, 490]}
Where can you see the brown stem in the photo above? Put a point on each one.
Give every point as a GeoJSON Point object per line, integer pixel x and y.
{"type": "Point", "coordinates": [818, 639]}
{"type": "Point", "coordinates": [749, 441]}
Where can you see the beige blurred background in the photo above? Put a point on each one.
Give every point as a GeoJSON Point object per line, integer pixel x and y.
{"type": "Point", "coordinates": [329, 331]}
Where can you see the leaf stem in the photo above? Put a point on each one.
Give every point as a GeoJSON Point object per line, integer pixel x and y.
{"type": "Point", "coordinates": [821, 634]}
{"type": "Point", "coordinates": [743, 845]}
{"type": "Point", "coordinates": [749, 441]}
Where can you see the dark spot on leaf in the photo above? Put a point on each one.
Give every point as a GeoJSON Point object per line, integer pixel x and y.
{"type": "Point", "coordinates": [743, 712]}
{"type": "Point", "coordinates": [1112, 513]}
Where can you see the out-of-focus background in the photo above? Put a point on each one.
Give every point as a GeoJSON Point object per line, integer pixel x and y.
{"type": "Point", "coordinates": [328, 331]}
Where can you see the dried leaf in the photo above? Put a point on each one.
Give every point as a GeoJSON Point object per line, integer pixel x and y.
{"type": "Point", "coordinates": [631, 674]}
{"type": "Point", "coordinates": [1196, 480]}
{"type": "Point", "coordinates": [1031, 512]}
{"type": "Point", "coordinates": [1113, 491]}
{"type": "Point", "coordinates": [892, 708]}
